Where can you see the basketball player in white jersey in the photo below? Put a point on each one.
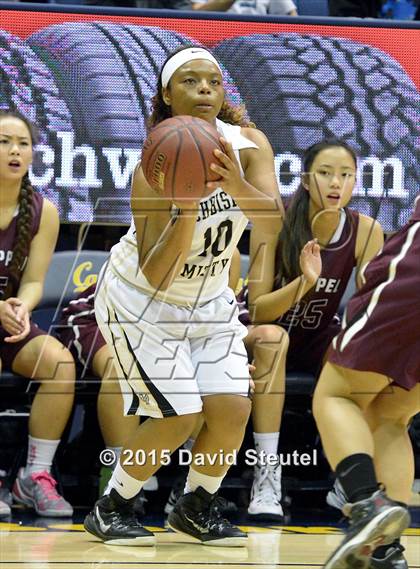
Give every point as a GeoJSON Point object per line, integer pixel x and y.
{"type": "Point", "coordinates": [165, 309]}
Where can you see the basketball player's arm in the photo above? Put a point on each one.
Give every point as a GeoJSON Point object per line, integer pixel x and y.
{"type": "Point", "coordinates": [266, 305]}
{"type": "Point", "coordinates": [235, 270]}
{"type": "Point", "coordinates": [32, 282]}
{"type": "Point", "coordinates": [369, 241]}
{"type": "Point", "coordinates": [257, 194]}
{"type": "Point", "coordinates": [163, 243]}
{"type": "Point", "coordinates": [39, 258]}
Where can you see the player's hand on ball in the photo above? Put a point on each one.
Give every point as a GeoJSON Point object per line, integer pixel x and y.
{"type": "Point", "coordinates": [229, 170]}
{"type": "Point", "coordinates": [310, 261]}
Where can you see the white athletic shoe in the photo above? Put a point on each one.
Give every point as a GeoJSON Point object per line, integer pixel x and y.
{"type": "Point", "coordinates": [265, 500]}
{"type": "Point", "coordinates": [336, 497]}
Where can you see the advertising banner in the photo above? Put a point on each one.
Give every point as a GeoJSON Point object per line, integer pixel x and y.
{"type": "Point", "coordinates": [86, 80]}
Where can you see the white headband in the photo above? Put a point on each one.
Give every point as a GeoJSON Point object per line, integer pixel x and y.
{"type": "Point", "coordinates": [182, 57]}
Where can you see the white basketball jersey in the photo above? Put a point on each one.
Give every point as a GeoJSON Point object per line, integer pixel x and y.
{"type": "Point", "coordinates": [205, 275]}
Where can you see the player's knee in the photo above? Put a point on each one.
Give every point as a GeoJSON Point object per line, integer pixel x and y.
{"type": "Point", "coordinates": [388, 413]}
{"type": "Point", "coordinates": [183, 425]}
{"type": "Point", "coordinates": [57, 364]}
{"type": "Point", "coordinates": [230, 415]}
{"type": "Point", "coordinates": [243, 410]}
{"type": "Point", "coordinates": [272, 334]}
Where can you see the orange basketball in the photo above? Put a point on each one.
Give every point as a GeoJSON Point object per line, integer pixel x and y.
{"type": "Point", "coordinates": [177, 155]}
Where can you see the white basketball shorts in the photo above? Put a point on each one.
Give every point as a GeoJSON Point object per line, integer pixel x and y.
{"type": "Point", "coordinates": [168, 356]}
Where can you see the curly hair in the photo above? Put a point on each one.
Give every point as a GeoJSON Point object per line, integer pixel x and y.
{"type": "Point", "coordinates": [160, 110]}
{"type": "Point", "coordinates": [24, 219]}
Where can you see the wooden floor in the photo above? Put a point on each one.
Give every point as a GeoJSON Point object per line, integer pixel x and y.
{"type": "Point", "coordinates": [64, 545]}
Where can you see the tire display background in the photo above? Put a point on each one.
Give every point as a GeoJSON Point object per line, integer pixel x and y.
{"type": "Point", "coordinates": [86, 81]}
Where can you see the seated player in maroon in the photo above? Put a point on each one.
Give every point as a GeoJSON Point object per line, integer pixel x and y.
{"type": "Point", "coordinates": [296, 284]}
{"type": "Point", "coordinates": [367, 394]}
{"type": "Point", "coordinates": [28, 233]}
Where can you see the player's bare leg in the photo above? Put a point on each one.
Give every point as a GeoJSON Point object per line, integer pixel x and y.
{"type": "Point", "coordinates": [389, 416]}
{"type": "Point", "coordinates": [45, 360]}
{"type": "Point", "coordinates": [340, 401]}
{"type": "Point", "coordinates": [196, 514]}
{"type": "Point", "coordinates": [223, 431]}
{"type": "Point", "coordinates": [178, 485]}
{"type": "Point", "coordinates": [115, 427]}
{"type": "Point", "coordinates": [268, 344]}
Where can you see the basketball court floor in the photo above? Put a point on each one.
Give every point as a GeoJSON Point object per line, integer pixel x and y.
{"type": "Point", "coordinates": [27, 542]}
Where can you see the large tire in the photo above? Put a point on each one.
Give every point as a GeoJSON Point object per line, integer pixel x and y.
{"type": "Point", "coordinates": [27, 85]}
{"type": "Point", "coordinates": [108, 73]}
{"type": "Point", "coordinates": [307, 88]}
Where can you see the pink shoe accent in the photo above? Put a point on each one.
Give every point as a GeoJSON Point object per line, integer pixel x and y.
{"type": "Point", "coordinates": [47, 483]}
{"type": "Point", "coordinates": [38, 490]}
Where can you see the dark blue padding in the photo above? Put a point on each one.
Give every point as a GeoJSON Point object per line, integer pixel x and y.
{"type": "Point", "coordinates": [300, 383]}
{"type": "Point", "coordinates": [70, 272]}
{"type": "Point", "coordinates": [312, 7]}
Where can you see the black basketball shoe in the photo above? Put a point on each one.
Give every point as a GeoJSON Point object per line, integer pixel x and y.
{"type": "Point", "coordinates": [196, 515]}
{"type": "Point", "coordinates": [224, 505]}
{"type": "Point", "coordinates": [393, 558]}
{"type": "Point", "coordinates": [373, 522]}
{"type": "Point", "coordinates": [114, 521]}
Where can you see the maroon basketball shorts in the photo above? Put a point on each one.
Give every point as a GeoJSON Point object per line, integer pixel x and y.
{"type": "Point", "coordinates": [8, 352]}
{"type": "Point", "coordinates": [381, 332]}
{"type": "Point", "coordinates": [83, 338]}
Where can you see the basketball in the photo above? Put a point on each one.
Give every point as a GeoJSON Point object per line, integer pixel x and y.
{"type": "Point", "coordinates": [177, 155]}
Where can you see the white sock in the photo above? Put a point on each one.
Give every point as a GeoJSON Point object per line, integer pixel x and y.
{"type": "Point", "coordinates": [189, 443]}
{"type": "Point", "coordinates": [266, 443]}
{"type": "Point", "coordinates": [195, 479]}
{"type": "Point", "coordinates": [40, 455]}
{"type": "Point", "coordinates": [117, 453]}
{"type": "Point", "coordinates": [124, 484]}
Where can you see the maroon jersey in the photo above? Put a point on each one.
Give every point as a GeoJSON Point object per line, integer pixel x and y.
{"type": "Point", "coordinates": [381, 329]}
{"type": "Point", "coordinates": [8, 352]}
{"type": "Point", "coordinates": [78, 329]}
{"type": "Point", "coordinates": [7, 241]}
{"type": "Point", "coordinates": [313, 322]}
